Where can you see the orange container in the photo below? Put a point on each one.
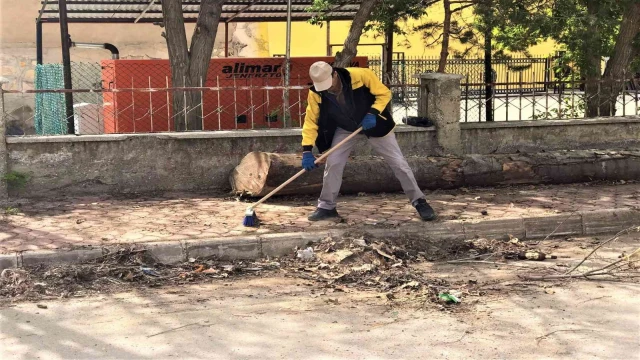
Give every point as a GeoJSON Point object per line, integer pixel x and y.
{"type": "Point", "coordinates": [143, 112]}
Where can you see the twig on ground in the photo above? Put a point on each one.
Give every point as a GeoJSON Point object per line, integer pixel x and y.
{"type": "Point", "coordinates": [601, 271]}
{"type": "Point", "coordinates": [598, 298]}
{"type": "Point", "coordinates": [540, 338]}
{"type": "Point", "coordinates": [457, 341]}
{"type": "Point", "coordinates": [616, 236]}
{"type": "Point", "coordinates": [117, 282]}
{"type": "Point", "coordinates": [174, 329]}
{"type": "Point", "coordinates": [558, 227]}
{"type": "Point", "coordinates": [470, 258]}
{"type": "Point", "coordinates": [486, 262]}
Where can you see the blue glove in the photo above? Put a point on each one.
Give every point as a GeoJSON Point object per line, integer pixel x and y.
{"type": "Point", "coordinates": [308, 161]}
{"type": "Point", "coordinates": [369, 122]}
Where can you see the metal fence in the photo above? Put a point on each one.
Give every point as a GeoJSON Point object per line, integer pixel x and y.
{"type": "Point", "coordinates": [521, 89]}
{"type": "Point", "coordinates": [147, 110]}
{"type": "Point", "coordinates": [139, 97]}
{"type": "Point", "coordinates": [558, 101]}
{"type": "Point", "coordinates": [526, 70]}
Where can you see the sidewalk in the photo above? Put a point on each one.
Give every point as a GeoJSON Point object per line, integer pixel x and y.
{"type": "Point", "coordinates": [66, 223]}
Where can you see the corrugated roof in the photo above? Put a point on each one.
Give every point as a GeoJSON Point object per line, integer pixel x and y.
{"type": "Point", "coordinates": [150, 11]}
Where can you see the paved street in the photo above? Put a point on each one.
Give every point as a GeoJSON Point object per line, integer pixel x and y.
{"type": "Point", "coordinates": [70, 222]}
{"type": "Point", "coordinates": [283, 318]}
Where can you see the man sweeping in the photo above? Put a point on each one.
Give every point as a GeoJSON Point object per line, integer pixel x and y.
{"type": "Point", "coordinates": [340, 102]}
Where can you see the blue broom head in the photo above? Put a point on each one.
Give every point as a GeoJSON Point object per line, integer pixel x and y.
{"type": "Point", "coordinates": [250, 218]}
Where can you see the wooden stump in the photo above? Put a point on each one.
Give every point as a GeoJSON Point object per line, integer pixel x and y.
{"type": "Point", "coordinates": [259, 173]}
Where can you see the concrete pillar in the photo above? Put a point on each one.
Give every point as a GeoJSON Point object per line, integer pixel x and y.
{"type": "Point", "coordinates": [4, 156]}
{"type": "Point", "coordinates": [439, 101]}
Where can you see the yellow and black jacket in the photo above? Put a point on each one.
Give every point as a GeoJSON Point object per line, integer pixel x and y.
{"type": "Point", "coordinates": [363, 92]}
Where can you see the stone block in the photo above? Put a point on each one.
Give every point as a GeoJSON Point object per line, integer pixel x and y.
{"type": "Point", "coordinates": [609, 221]}
{"type": "Point", "coordinates": [171, 252]}
{"type": "Point", "coordinates": [8, 261]}
{"type": "Point", "coordinates": [437, 231]}
{"type": "Point", "coordinates": [246, 247]}
{"type": "Point", "coordinates": [559, 225]}
{"type": "Point", "coordinates": [276, 245]}
{"type": "Point", "coordinates": [33, 258]}
{"type": "Point", "coordinates": [495, 228]}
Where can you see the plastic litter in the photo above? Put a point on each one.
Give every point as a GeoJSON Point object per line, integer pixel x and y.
{"type": "Point", "coordinates": [306, 254]}
{"type": "Point", "coordinates": [448, 298]}
{"type": "Point", "coordinates": [149, 271]}
{"type": "Point", "coordinates": [535, 256]}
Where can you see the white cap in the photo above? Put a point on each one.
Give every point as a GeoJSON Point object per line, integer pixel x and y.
{"type": "Point", "coordinates": [320, 73]}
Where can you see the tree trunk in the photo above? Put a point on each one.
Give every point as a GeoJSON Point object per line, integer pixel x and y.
{"type": "Point", "coordinates": [259, 173]}
{"type": "Point", "coordinates": [189, 66]}
{"type": "Point", "coordinates": [592, 71]}
{"type": "Point", "coordinates": [446, 34]}
{"type": "Point", "coordinates": [387, 79]}
{"type": "Point", "coordinates": [615, 74]}
{"type": "Point", "coordinates": [176, 37]}
{"type": "Point", "coordinates": [595, 102]}
{"type": "Point", "coordinates": [344, 57]}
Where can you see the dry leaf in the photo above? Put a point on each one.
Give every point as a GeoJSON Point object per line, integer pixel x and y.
{"type": "Point", "coordinates": [378, 249]}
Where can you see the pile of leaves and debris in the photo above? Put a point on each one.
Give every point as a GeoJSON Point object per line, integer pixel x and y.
{"type": "Point", "coordinates": [354, 262]}
{"type": "Point", "coordinates": [506, 248]}
{"type": "Point", "coordinates": [125, 268]}
{"type": "Point", "coordinates": [364, 263]}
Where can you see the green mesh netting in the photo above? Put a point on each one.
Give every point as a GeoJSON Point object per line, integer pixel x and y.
{"type": "Point", "coordinates": [50, 107]}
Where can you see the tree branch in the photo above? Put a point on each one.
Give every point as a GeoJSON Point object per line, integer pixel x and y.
{"type": "Point", "coordinates": [616, 236]}
{"type": "Point", "coordinates": [462, 8]}
{"type": "Point", "coordinates": [355, 31]}
{"type": "Point", "coordinates": [435, 41]}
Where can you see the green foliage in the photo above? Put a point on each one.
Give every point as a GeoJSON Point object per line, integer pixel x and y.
{"type": "Point", "coordinates": [585, 29]}
{"type": "Point", "coordinates": [514, 26]}
{"type": "Point", "coordinates": [387, 14]}
{"type": "Point", "coordinates": [16, 179]}
{"type": "Point", "coordinates": [277, 113]}
{"type": "Point", "coordinates": [518, 24]}
{"type": "Point", "coordinates": [572, 108]}
{"type": "Point", "coordinates": [461, 30]}
{"type": "Point", "coordinates": [11, 211]}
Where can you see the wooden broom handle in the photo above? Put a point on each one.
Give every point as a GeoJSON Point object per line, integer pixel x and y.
{"type": "Point", "coordinates": [322, 157]}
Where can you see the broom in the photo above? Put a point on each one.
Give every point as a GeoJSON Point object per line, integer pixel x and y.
{"type": "Point", "coordinates": [250, 217]}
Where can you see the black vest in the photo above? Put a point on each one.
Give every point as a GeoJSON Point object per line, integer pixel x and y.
{"type": "Point", "coordinates": [360, 101]}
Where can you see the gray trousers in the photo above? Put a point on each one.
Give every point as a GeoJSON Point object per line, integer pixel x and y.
{"type": "Point", "coordinates": [386, 146]}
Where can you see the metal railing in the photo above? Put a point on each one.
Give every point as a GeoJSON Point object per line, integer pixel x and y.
{"type": "Point", "coordinates": [151, 109]}
{"type": "Point", "coordinates": [141, 100]}
{"type": "Point", "coordinates": [552, 100]}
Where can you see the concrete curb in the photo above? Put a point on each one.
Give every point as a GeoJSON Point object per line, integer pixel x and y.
{"type": "Point", "coordinates": [584, 223]}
